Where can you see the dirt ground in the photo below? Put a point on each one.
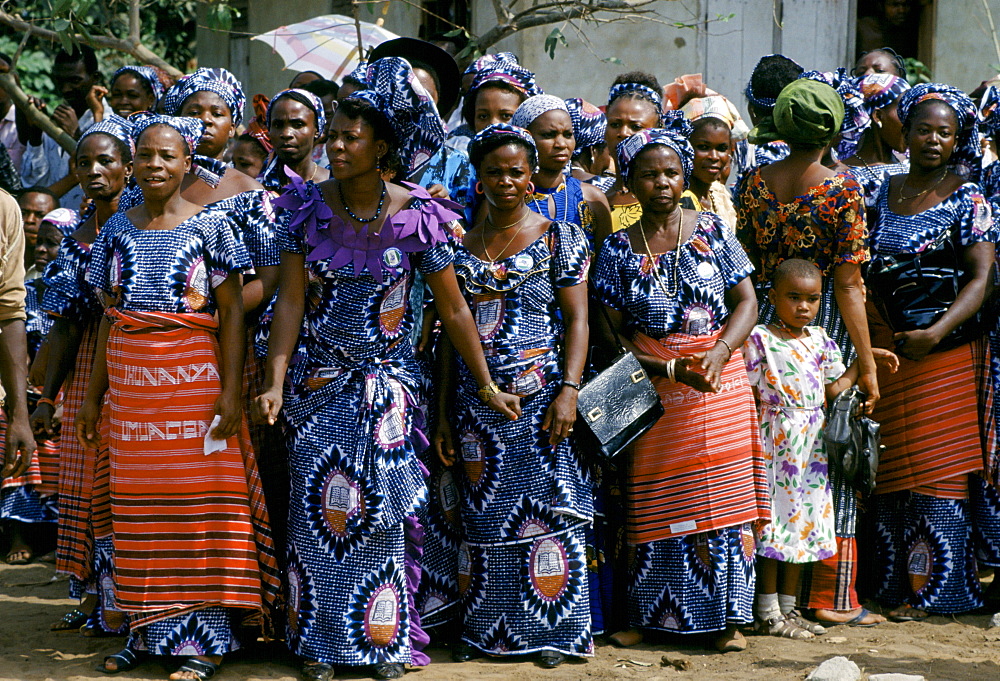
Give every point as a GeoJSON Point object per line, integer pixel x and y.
{"type": "Point", "coordinates": [956, 649]}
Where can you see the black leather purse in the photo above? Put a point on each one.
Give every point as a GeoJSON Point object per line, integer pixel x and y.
{"type": "Point", "coordinates": [853, 443]}
{"type": "Point", "coordinates": [618, 405]}
{"type": "Point", "coordinates": [914, 290]}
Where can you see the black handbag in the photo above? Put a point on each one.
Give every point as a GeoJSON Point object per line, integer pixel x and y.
{"type": "Point", "coordinates": [853, 443]}
{"type": "Point", "coordinates": [618, 405]}
{"type": "Point", "coordinates": [914, 290]}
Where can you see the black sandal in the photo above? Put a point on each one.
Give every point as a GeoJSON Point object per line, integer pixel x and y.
{"type": "Point", "coordinates": [126, 660]}
{"type": "Point", "coordinates": [316, 671]}
{"type": "Point", "coordinates": [389, 670]}
{"type": "Point", "coordinates": [550, 659]}
{"type": "Point", "coordinates": [202, 669]}
{"type": "Point", "coordinates": [71, 621]}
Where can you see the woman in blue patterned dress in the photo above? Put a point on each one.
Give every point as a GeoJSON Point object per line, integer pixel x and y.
{"type": "Point", "coordinates": [527, 499]}
{"type": "Point", "coordinates": [676, 287]}
{"type": "Point", "coordinates": [295, 121]}
{"type": "Point", "coordinates": [170, 354]}
{"type": "Point", "coordinates": [556, 195]}
{"type": "Point", "coordinates": [30, 499]}
{"type": "Point", "coordinates": [83, 551]}
{"type": "Point", "coordinates": [932, 498]}
{"type": "Point", "coordinates": [875, 158]}
{"type": "Point", "coordinates": [350, 248]}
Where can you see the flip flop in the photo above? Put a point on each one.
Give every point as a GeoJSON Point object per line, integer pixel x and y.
{"type": "Point", "coordinates": [26, 552]}
{"type": "Point", "coordinates": [858, 620]}
{"type": "Point", "coordinates": [200, 668]}
{"type": "Point", "coordinates": [125, 659]}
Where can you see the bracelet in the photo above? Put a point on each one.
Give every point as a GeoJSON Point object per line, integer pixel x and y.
{"type": "Point", "coordinates": [571, 384]}
{"type": "Point", "coordinates": [487, 392]}
{"type": "Point", "coordinates": [46, 400]}
{"type": "Point", "coordinates": [672, 370]}
{"type": "Point", "coordinates": [728, 346]}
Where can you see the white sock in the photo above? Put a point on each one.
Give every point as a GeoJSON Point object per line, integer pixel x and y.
{"type": "Point", "coordinates": [786, 603]}
{"type": "Point", "coordinates": [766, 606]}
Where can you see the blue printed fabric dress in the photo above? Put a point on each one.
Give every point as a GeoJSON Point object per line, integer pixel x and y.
{"type": "Point", "coordinates": [526, 505]}
{"type": "Point", "coordinates": [82, 551]}
{"type": "Point", "coordinates": [351, 400]}
{"type": "Point", "coordinates": [172, 271]}
{"type": "Point", "coordinates": [926, 544]}
{"type": "Point", "coordinates": [704, 581]}
{"type": "Point", "coordinates": [570, 206]}
{"type": "Point", "coordinates": [23, 502]}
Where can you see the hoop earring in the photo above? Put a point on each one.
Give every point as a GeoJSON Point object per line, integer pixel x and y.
{"type": "Point", "coordinates": [531, 187]}
{"type": "Point", "coordinates": [479, 187]}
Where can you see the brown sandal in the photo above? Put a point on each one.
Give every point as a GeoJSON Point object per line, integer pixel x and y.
{"type": "Point", "coordinates": [779, 625]}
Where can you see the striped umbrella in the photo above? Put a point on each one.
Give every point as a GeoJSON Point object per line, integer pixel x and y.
{"type": "Point", "coordinates": [327, 44]}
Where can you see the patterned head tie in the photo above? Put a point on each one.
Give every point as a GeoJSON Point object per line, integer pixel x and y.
{"type": "Point", "coordinates": [302, 97]}
{"type": "Point", "coordinates": [674, 137]}
{"type": "Point", "coordinates": [589, 124]}
{"type": "Point", "coordinates": [115, 126]}
{"type": "Point", "coordinates": [636, 90]}
{"type": "Point", "coordinates": [359, 75]}
{"type": "Point", "coordinates": [881, 90]}
{"type": "Point", "coordinates": [989, 111]}
{"type": "Point", "coordinates": [398, 95]}
{"type": "Point", "coordinates": [63, 219]}
{"type": "Point", "coordinates": [506, 70]}
{"type": "Point", "coordinates": [967, 151]}
{"type": "Point", "coordinates": [218, 80]}
{"type": "Point", "coordinates": [503, 130]}
{"type": "Point", "coordinates": [719, 108]}
{"type": "Point", "coordinates": [147, 74]}
{"type": "Point", "coordinates": [533, 107]}
{"type": "Point", "coordinates": [191, 129]}
{"type": "Point", "coordinates": [488, 60]}
{"type": "Point", "coordinates": [257, 126]}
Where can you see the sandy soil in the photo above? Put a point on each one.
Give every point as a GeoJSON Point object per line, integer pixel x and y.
{"type": "Point", "coordinates": [957, 649]}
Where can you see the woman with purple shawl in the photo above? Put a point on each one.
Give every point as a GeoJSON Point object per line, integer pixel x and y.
{"type": "Point", "coordinates": [350, 248]}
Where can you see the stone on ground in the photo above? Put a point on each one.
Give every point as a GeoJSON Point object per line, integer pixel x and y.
{"type": "Point", "coordinates": [835, 669]}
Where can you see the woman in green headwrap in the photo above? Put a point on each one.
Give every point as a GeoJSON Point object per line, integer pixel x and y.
{"type": "Point", "coordinates": [798, 208]}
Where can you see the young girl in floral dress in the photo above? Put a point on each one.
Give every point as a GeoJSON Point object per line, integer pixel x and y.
{"type": "Point", "coordinates": [795, 368]}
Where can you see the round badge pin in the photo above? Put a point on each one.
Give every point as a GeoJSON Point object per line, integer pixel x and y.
{"type": "Point", "coordinates": [392, 257]}
{"type": "Point", "coordinates": [706, 270]}
{"type": "Point", "coordinates": [523, 262]}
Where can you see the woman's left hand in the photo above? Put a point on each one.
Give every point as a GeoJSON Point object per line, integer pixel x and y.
{"type": "Point", "coordinates": [713, 362]}
{"type": "Point", "coordinates": [229, 410]}
{"type": "Point", "coordinates": [560, 416]}
{"type": "Point", "coordinates": [915, 344]}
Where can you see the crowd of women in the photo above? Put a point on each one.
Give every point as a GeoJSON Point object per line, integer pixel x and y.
{"type": "Point", "coordinates": [314, 375]}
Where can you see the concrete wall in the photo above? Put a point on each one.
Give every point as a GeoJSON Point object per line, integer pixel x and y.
{"type": "Point", "coordinates": [963, 50]}
{"type": "Point", "coordinates": [817, 33]}
{"type": "Point", "coordinates": [578, 69]}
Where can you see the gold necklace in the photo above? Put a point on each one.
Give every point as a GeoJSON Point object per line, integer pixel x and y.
{"type": "Point", "coordinates": [654, 261]}
{"type": "Point", "coordinates": [918, 195]}
{"type": "Point", "coordinates": [482, 235]}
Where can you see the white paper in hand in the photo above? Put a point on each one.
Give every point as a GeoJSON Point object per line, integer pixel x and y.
{"type": "Point", "coordinates": [211, 444]}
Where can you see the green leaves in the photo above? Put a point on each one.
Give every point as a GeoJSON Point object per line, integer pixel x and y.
{"type": "Point", "coordinates": [555, 38]}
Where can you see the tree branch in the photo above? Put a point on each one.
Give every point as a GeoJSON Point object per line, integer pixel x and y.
{"type": "Point", "coordinates": [502, 14]}
{"type": "Point", "coordinates": [137, 50]}
{"type": "Point", "coordinates": [134, 25]}
{"type": "Point", "coordinates": [540, 15]}
{"type": "Point", "coordinates": [38, 118]}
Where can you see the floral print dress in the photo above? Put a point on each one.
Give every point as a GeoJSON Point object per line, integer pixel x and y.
{"type": "Point", "coordinates": [790, 376]}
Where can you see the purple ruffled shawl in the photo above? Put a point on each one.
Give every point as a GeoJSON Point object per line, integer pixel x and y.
{"type": "Point", "coordinates": [330, 238]}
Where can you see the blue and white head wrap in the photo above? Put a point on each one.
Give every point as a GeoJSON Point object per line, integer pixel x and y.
{"type": "Point", "coordinates": [533, 107]}
{"type": "Point", "coordinates": [217, 80]}
{"type": "Point", "coordinates": [115, 126]}
{"type": "Point", "coordinates": [147, 74]}
{"type": "Point", "coordinates": [674, 135]}
{"type": "Point", "coordinates": [191, 129]}
{"type": "Point", "coordinates": [303, 97]}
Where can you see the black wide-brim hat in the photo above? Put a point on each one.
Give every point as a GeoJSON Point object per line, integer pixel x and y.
{"type": "Point", "coordinates": [444, 65]}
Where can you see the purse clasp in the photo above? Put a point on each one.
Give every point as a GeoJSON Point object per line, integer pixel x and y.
{"type": "Point", "coordinates": [595, 414]}
{"type": "Point", "coordinates": [637, 376]}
